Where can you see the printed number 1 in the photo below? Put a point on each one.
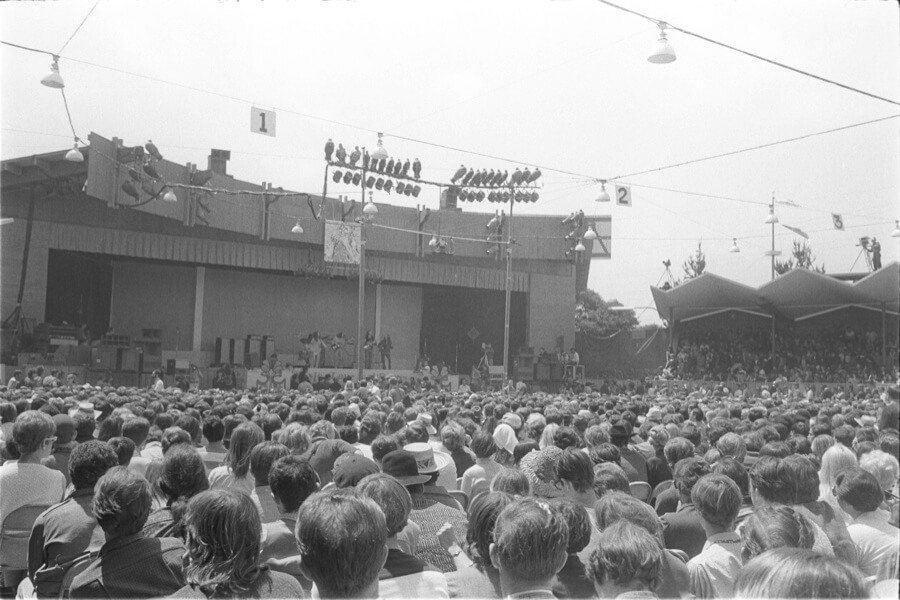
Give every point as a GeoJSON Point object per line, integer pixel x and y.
{"type": "Point", "coordinates": [262, 126]}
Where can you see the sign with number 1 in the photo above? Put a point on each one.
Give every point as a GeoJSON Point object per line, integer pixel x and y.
{"type": "Point", "coordinates": [262, 121]}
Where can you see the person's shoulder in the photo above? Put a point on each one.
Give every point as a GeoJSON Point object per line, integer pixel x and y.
{"type": "Point", "coordinates": [187, 591]}
{"type": "Point", "coordinates": [274, 584]}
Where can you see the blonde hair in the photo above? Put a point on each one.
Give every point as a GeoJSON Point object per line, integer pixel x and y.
{"type": "Point", "coordinates": [836, 459]}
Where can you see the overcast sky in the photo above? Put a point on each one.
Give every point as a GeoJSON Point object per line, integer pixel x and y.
{"type": "Point", "coordinates": [563, 84]}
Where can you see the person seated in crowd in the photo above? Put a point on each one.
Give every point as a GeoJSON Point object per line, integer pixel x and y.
{"type": "Point", "coordinates": [67, 530]}
{"type": "Point", "coordinates": [658, 469]}
{"type": "Point", "coordinates": [342, 537]}
{"type": "Point", "coordinates": [717, 499]}
{"type": "Point", "coordinates": [138, 430]}
{"type": "Point", "coordinates": [129, 565]}
{"type": "Point", "coordinates": [453, 438]}
{"type": "Point", "coordinates": [620, 436]}
{"type": "Point", "coordinates": [735, 471]}
{"type": "Point", "coordinates": [124, 449]}
{"type": "Point", "coordinates": [431, 506]}
{"type": "Point", "coordinates": [622, 506]}
{"type": "Point", "coordinates": [262, 457]}
{"type": "Point", "coordinates": [477, 478]}
{"type": "Point", "coordinates": [798, 573]}
{"type": "Point", "coordinates": [886, 470]}
{"type": "Point", "coordinates": [62, 449]}
{"type": "Point", "coordinates": [683, 528]}
{"type": "Point", "coordinates": [774, 526]}
{"type": "Point", "coordinates": [403, 575]}
{"type": "Point", "coordinates": [573, 581]}
{"type": "Point", "coordinates": [27, 482]}
{"type": "Point", "coordinates": [235, 471]}
{"type": "Point", "coordinates": [511, 481]}
{"type": "Point", "coordinates": [475, 575]}
{"type": "Point", "coordinates": [222, 554]}
{"type": "Point", "coordinates": [182, 476]}
{"type": "Point", "coordinates": [676, 449]}
{"type": "Point", "coordinates": [626, 563]}
{"type": "Point", "coordinates": [529, 549]}
{"type": "Point", "coordinates": [859, 495]}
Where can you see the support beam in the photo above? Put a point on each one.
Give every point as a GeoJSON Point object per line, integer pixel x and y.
{"type": "Point", "coordinates": [199, 289]}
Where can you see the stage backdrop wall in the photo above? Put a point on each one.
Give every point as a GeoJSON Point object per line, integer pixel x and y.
{"type": "Point", "coordinates": [154, 296]}
{"type": "Point", "coordinates": [401, 318]}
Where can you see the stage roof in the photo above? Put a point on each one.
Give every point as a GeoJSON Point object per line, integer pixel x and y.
{"type": "Point", "coordinates": [796, 295]}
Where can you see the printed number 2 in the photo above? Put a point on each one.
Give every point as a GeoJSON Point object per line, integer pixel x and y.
{"type": "Point", "coordinates": [262, 126]}
{"type": "Point", "coordinates": [623, 194]}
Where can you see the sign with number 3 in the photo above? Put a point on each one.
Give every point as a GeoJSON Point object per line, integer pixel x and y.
{"type": "Point", "coordinates": [623, 195]}
{"type": "Point", "coordinates": [262, 121]}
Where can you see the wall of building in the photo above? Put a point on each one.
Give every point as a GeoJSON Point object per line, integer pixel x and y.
{"type": "Point", "coordinates": [12, 247]}
{"type": "Point", "coordinates": [154, 296]}
{"type": "Point", "coordinates": [551, 311]}
{"type": "Point", "coordinates": [401, 318]}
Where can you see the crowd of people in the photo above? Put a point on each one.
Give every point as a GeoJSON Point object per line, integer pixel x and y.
{"type": "Point", "coordinates": [829, 355]}
{"type": "Point", "coordinates": [398, 489]}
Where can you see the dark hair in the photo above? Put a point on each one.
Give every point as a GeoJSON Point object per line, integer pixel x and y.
{"type": "Point", "coordinates": [622, 506]}
{"type": "Point", "coordinates": [483, 445]}
{"type": "Point", "coordinates": [717, 499]}
{"type": "Point", "coordinates": [382, 445]}
{"type": "Point", "coordinates": [109, 428]}
{"type": "Point", "coordinates": [123, 447]}
{"type": "Point", "coordinates": [735, 471]}
{"type": "Point", "coordinates": [511, 481]}
{"type": "Point", "coordinates": [223, 533]}
{"type": "Point", "coordinates": [342, 538]}
{"type": "Point", "coordinates": [776, 449]}
{"type": "Point", "coordinates": [798, 573]}
{"type": "Point", "coordinates": [677, 449]}
{"type": "Point", "coordinates": [191, 426]}
{"type": "Point", "coordinates": [578, 521]}
{"type": "Point", "coordinates": [121, 502]}
{"type": "Point", "coordinates": [369, 429]}
{"type": "Point", "coordinates": [292, 480]}
{"type": "Point", "coordinates": [605, 453]}
{"type": "Point", "coordinates": [626, 552]}
{"type": "Point", "coordinates": [575, 467]}
{"type": "Point", "coordinates": [859, 489]}
{"type": "Point", "coordinates": [775, 526]}
{"type": "Point", "coordinates": [770, 482]}
{"type": "Point", "coordinates": [244, 437]}
{"type": "Point", "coordinates": [529, 540]}
{"type": "Point", "coordinates": [483, 512]}
{"type": "Point", "coordinates": [213, 429]}
{"type": "Point", "coordinates": [174, 436]}
{"type": "Point", "coordinates": [30, 430]}
{"type": "Point", "coordinates": [566, 437]}
{"type": "Point", "coordinates": [804, 475]}
{"type": "Point", "coordinates": [262, 456]}
{"type": "Point", "coordinates": [609, 477]}
{"type": "Point", "coordinates": [88, 462]}
{"type": "Point", "coordinates": [391, 496]}
{"type": "Point", "coordinates": [84, 426]}
{"type": "Point", "coordinates": [687, 472]}
{"type": "Point", "coordinates": [136, 430]}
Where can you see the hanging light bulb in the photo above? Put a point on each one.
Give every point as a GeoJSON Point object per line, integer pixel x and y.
{"type": "Point", "coordinates": [297, 228]}
{"type": "Point", "coordinates": [734, 246]}
{"type": "Point", "coordinates": [604, 195]}
{"type": "Point", "coordinates": [433, 242]}
{"type": "Point", "coordinates": [662, 52]}
{"type": "Point", "coordinates": [170, 196]}
{"type": "Point", "coordinates": [53, 78]}
{"type": "Point", "coordinates": [380, 153]}
{"type": "Point", "coordinates": [896, 231]}
{"type": "Point", "coordinates": [590, 234]}
{"type": "Point", "coordinates": [579, 247]}
{"type": "Point", "coordinates": [75, 155]}
{"type": "Point", "coordinates": [370, 208]}
{"type": "Point", "coordinates": [771, 219]}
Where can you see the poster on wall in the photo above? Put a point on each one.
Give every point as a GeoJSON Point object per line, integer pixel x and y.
{"type": "Point", "coordinates": [342, 242]}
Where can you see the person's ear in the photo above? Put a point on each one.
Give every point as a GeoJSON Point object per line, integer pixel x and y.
{"type": "Point", "coordinates": [495, 556]}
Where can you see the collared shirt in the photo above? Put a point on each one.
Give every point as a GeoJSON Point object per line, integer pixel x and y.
{"type": "Point", "coordinates": [878, 542]}
{"type": "Point", "coordinates": [714, 570]}
{"type": "Point", "coordinates": [132, 567]}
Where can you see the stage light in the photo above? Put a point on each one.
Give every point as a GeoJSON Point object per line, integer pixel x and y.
{"type": "Point", "coordinates": [771, 219]}
{"type": "Point", "coordinates": [348, 177]}
{"type": "Point", "coordinates": [170, 196]}
{"type": "Point", "coordinates": [400, 187]}
{"type": "Point", "coordinates": [388, 185]}
{"type": "Point", "coordinates": [337, 176]}
{"type": "Point", "coordinates": [370, 208]}
{"type": "Point", "coordinates": [370, 182]}
{"type": "Point", "coordinates": [75, 155]}
{"type": "Point", "coordinates": [479, 196]}
{"type": "Point", "coordinates": [734, 246]}
{"type": "Point", "coordinates": [896, 231]}
{"type": "Point", "coordinates": [408, 190]}
{"type": "Point", "coordinates": [380, 153]}
{"type": "Point", "coordinates": [379, 184]}
{"type": "Point", "coordinates": [662, 52]}
{"type": "Point", "coordinates": [604, 195]}
{"type": "Point", "coordinates": [150, 170]}
{"type": "Point", "coordinates": [357, 177]}
{"type": "Point", "coordinates": [579, 247]}
{"type": "Point", "coordinates": [53, 79]}
{"type": "Point", "coordinates": [590, 234]}
{"type": "Point", "coordinates": [128, 188]}
{"type": "Point", "coordinates": [297, 228]}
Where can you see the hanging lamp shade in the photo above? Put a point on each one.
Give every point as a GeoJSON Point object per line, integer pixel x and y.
{"type": "Point", "coordinates": [170, 196]}
{"type": "Point", "coordinates": [662, 52]}
{"type": "Point", "coordinates": [590, 234]}
{"type": "Point", "coordinates": [771, 219]}
{"type": "Point", "coordinates": [370, 208]}
{"type": "Point", "coordinates": [734, 246]}
{"type": "Point", "coordinates": [579, 247]}
{"type": "Point", "coordinates": [75, 155]}
{"type": "Point", "coordinates": [604, 195]}
{"type": "Point", "coordinates": [896, 232]}
{"type": "Point", "coordinates": [380, 153]}
{"type": "Point", "coordinates": [297, 228]}
{"type": "Point", "coordinates": [53, 79]}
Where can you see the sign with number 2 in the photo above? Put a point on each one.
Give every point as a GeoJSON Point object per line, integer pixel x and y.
{"type": "Point", "coordinates": [262, 121]}
{"type": "Point", "coordinates": [623, 195]}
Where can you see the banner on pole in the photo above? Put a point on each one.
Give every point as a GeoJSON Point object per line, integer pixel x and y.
{"type": "Point", "coordinates": [343, 242]}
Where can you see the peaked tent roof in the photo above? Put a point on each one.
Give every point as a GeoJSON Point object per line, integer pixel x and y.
{"type": "Point", "coordinates": [796, 295]}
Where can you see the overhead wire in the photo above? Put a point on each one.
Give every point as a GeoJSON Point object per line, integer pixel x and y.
{"type": "Point", "coordinates": [77, 29]}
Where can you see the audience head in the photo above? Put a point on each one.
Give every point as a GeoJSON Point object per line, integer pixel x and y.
{"type": "Point", "coordinates": [244, 437]}
{"type": "Point", "coordinates": [687, 472]}
{"type": "Point", "coordinates": [123, 447]}
{"type": "Point", "coordinates": [511, 481]}
{"type": "Point", "coordinates": [883, 466]}
{"type": "Point", "coordinates": [33, 433]}
{"type": "Point", "coordinates": [262, 456]}
{"type": "Point", "coordinates": [609, 477]}
{"type": "Point", "coordinates": [121, 502]}
{"type": "Point", "coordinates": [577, 520]}
{"type": "Point", "coordinates": [222, 542]}
{"type": "Point", "coordinates": [530, 541]}
{"type": "Point", "coordinates": [836, 459]}
{"type": "Point", "coordinates": [483, 512]}
{"type": "Point", "coordinates": [391, 497]}
{"type": "Point", "coordinates": [718, 500]}
{"type": "Point", "coordinates": [626, 558]}
{"type": "Point", "coordinates": [576, 471]}
{"type": "Point", "coordinates": [798, 573]}
{"type": "Point", "coordinates": [622, 506]}
{"type": "Point", "coordinates": [857, 491]}
{"type": "Point", "coordinates": [88, 462]}
{"type": "Point", "coordinates": [292, 480]}
{"type": "Point", "coordinates": [677, 449]}
{"type": "Point", "coordinates": [775, 526]}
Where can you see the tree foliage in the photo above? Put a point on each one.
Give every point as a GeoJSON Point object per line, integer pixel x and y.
{"type": "Point", "coordinates": [594, 317]}
{"type": "Point", "coordinates": [801, 258]}
{"type": "Point", "coordinates": [695, 265]}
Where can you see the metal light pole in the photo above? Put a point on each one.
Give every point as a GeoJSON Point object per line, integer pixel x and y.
{"type": "Point", "coordinates": [508, 286]}
{"type": "Point", "coordinates": [772, 220]}
{"type": "Point", "coordinates": [362, 274]}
